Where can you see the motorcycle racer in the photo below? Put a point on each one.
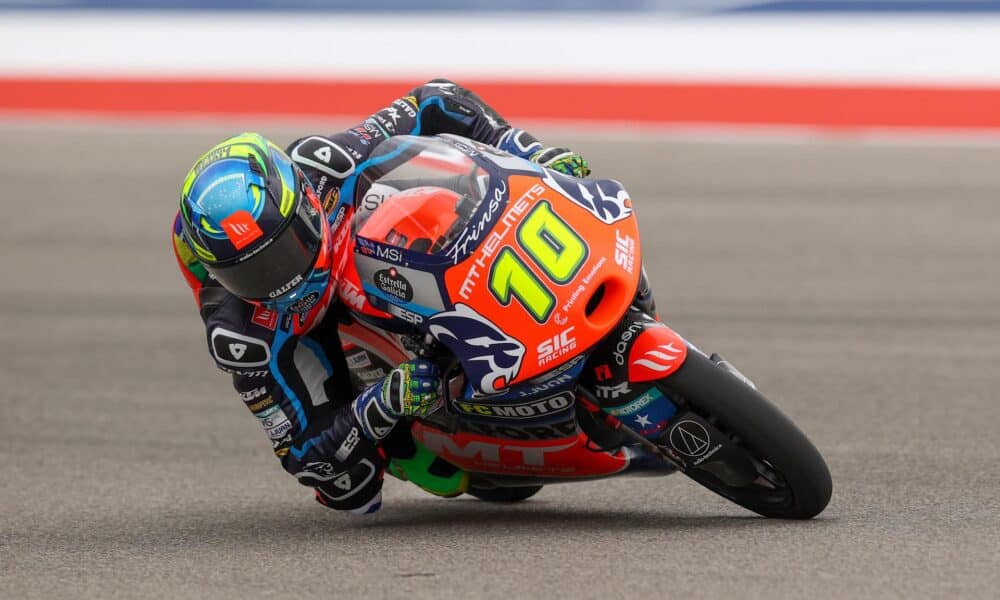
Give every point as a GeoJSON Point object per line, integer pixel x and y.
{"type": "Point", "coordinates": [258, 240]}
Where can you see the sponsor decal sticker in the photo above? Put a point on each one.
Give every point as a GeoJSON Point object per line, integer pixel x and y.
{"type": "Point", "coordinates": [611, 392]}
{"type": "Point", "coordinates": [471, 234]}
{"type": "Point", "coordinates": [556, 347]}
{"type": "Point", "coordinates": [554, 431]}
{"type": "Point", "coordinates": [379, 251]}
{"type": "Point", "coordinates": [690, 438]}
{"type": "Point", "coordinates": [244, 372]}
{"type": "Point", "coordinates": [637, 404]}
{"type": "Point", "coordinates": [375, 196]}
{"type": "Point", "coordinates": [549, 384]}
{"type": "Point", "coordinates": [359, 360]}
{"type": "Point", "coordinates": [557, 371]}
{"type": "Point", "coordinates": [552, 456]}
{"type": "Point", "coordinates": [253, 394]}
{"type": "Point", "coordinates": [648, 414]}
{"type": "Point", "coordinates": [241, 229]}
{"type": "Point", "coordinates": [348, 445]}
{"type": "Point", "coordinates": [407, 105]}
{"type": "Point", "coordinates": [394, 284]}
{"type": "Point", "coordinates": [624, 251]}
{"type": "Point", "coordinates": [406, 315]}
{"type": "Point", "coordinates": [524, 410]}
{"type": "Point", "coordinates": [362, 134]}
{"type": "Point", "coordinates": [283, 289]}
{"type": "Point", "coordinates": [488, 451]}
{"type": "Point", "coordinates": [238, 350]}
{"type": "Point", "coordinates": [330, 200]}
{"type": "Point", "coordinates": [656, 353]}
{"type": "Point", "coordinates": [275, 423]}
{"type": "Point", "coordinates": [351, 295]}
{"type": "Point", "coordinates": [261, 404]}
{"type": "Point", "coordinates": [256, 250]}
{"type": "Point", "coordinates": [623, 342]}
{"type": "Point", "coordinates": [602, 372]}
{"type": "Point", "coordinates": [265, 317]}
{"type": "Point", "coordinates": [305, 303]}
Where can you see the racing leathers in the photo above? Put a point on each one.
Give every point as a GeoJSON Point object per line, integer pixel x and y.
{"type": "Point", "coordinates": [292, 374]}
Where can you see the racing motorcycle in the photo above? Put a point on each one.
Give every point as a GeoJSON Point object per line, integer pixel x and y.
{"type": "Point", "coordinates": [521, 283]}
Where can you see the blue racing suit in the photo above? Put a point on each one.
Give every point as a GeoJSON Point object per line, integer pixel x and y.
{"type": "Point", "coordinates": [297, 384]}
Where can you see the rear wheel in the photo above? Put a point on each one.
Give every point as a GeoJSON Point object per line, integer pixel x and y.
{"type": "Point", "coordinates": [739, 445]}
{"type": "Point", "coordinates": [505, 494]}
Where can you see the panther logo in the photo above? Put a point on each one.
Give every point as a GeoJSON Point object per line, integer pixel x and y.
{"type": "Point", "coordinates": [491, 357]}
{"type": "Point", "coordinates": [610, 203]}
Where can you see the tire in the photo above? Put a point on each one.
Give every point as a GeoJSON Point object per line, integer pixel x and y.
{"type": "Point", "coordinates": [763, 432]}
{"type": "Point", "coordinates": [502, 494]}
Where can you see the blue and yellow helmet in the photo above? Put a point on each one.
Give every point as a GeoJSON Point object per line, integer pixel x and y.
{"type": "Point", "coordinates": [253, 220]}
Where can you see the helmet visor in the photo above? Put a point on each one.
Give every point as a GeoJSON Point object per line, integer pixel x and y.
{"type": "Point", "coordinates": [279, 264]}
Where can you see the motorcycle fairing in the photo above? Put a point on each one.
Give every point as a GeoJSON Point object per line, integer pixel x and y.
{"type": "Point", "coordinates": [491, 358]}
{"type": "Point", "coordinates": [578, 311]}
{"type": "Point", "coordinates": [383, 345]}
{"type": "Point", "coordinates": [504, 448]}
{"type": "Point", "coordinates": [551, 383]}
{"type": "Point", "coordinates": [657, 352]}
{"type": "Point", "coordinates": [562, 458]}
{"type": "Point", "coordinates": [606, 199]}
{"type": "Point", "coordinates": [514, 236]}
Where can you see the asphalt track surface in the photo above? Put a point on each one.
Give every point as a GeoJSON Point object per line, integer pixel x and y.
{"type": "Point", "coordinates": [857, 283]}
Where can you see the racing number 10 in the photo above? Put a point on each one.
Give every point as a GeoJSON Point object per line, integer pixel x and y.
{"type": "Point", "coordinates": [553, 246]}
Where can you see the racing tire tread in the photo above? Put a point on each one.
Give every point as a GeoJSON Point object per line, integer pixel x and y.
{"type": "Point", "coordinates": [763, 429]}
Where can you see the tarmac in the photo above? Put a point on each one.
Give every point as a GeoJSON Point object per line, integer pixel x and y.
{"type": "Point", "coordinates": [855, 281]}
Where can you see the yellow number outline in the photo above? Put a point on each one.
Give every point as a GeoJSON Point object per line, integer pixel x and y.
{"type": "Point", "coordinates": [552, 244]}
{"type": "Point", "coordinates": [510, 277]}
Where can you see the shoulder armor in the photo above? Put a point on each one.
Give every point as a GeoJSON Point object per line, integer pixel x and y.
{"type": "Point", "coordinates": [239, 340]}
{"type": "Point", "coordinates": [324, 155]}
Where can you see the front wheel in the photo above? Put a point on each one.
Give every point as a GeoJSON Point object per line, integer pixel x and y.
{"type": "Point", "coordinates": [739, 445]}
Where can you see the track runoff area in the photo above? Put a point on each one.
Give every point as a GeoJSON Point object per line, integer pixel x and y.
{"type": "Point", "coordinates": [848, 274]}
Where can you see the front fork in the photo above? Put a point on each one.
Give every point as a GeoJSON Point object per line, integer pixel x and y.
{"type": "Point", "coordinates": [689, 442]}
{"type": "Point", "coordinates": [622, 372]}
{"type": "Point", "coordinates": [645, 354]}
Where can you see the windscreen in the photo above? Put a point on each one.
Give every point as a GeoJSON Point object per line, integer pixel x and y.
{"type": "Point", "coordinates": [405, 166]}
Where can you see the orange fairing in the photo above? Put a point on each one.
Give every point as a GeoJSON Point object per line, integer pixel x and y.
{"type": "Point", "coordinates": [566, 457]}
{"type": "Point", "coordinates": [656, 353]}
{"type": "Point", "coordinates": [550, 274]}
{"type": "Point", "coordinates": [349, 287]}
